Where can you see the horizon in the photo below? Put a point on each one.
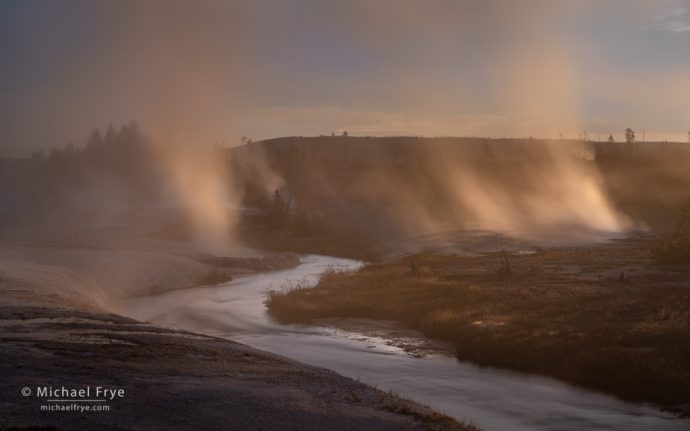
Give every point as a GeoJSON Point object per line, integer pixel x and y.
{"type": "Point", "coordinates": [217, 71]}
{"type": "Point", "coordinates": [80, 145]}
{"type": "Point", "coordinates": [343, 215]}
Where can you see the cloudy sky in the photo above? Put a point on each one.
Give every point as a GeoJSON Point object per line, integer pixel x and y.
{"type": "Point", "coordinates": [208, 71]}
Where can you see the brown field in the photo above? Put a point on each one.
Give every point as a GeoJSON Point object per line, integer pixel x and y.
{"type": "Point", "coordinates": [605, 317]}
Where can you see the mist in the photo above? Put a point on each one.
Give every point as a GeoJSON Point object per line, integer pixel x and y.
{"type": "Point", "coordinates": [459, 69]}
{"type": "Point", "coordinates": [201, 76]}
{"type": "Point", "coordinates": [242, 213]}
{"type": "Point", "coordinates": [535, 190]}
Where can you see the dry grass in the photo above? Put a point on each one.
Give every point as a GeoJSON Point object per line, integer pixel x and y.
{"type": "Point", "coordinates": [214, 277]}
{"type": "Point", "coordinates": [565, 313]}
{"type": "Point", "coordinates": [675, 248]}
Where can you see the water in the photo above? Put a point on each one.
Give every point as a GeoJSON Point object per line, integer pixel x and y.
{"type": "Point", "coordinates": [492, 399]}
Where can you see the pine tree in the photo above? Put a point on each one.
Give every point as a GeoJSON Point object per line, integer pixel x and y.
{"type": "Point", "coordinates": [629, 135]}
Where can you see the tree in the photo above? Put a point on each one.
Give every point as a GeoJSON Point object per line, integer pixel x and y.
{"type": "Point", "coordinates": [688, 135]}
{"type": "Point", "coordinates": [279, 210]}
{"type": "Point", "coordinates": [110, 136]}
{"type": "Point", "coordinates": [629, 135]}
{"type": "Point", "coordinates": [611, 139]}
{"type": "Point", "coordinates": [95, 140]}
{"type": "Point", "coordinates": [345, 133]}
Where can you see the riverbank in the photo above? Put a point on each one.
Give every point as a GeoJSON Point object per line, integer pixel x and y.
{"type": "Point", "coordinates": [563, 312]}
{"type": "Point", "coordinates": [58, 281]}
{"type": "Point", "coordinates": [179, 380]}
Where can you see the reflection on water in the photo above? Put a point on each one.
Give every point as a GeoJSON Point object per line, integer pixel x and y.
{"type": "Point", "coordinates": [492, 399]}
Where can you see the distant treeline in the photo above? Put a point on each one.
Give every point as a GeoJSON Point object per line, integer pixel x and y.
{"type": "Point", "coordinates": [356, 181]}
{"type": "Point", "coordinates": [112, 168]}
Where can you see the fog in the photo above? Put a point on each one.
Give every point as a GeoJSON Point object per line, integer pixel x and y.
{"type": "Point", "coordinates": [536, 190]}
{"type": "Point", "coordinates": [265, 69]}
{"type": "Point", "coordinates": [198, 183]}
{"type": "Point", "coordinates": [501, 186]}
{"type": "Point", "coordinates": [195, 76]}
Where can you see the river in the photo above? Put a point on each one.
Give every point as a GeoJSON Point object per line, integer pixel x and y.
{"type": "Point", "coordinates": [491, 399]}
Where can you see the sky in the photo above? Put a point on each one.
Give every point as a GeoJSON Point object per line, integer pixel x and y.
{"type": "Point", "coordinates": [212, 71]}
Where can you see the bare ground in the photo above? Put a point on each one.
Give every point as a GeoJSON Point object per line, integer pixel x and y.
{"type": "Point", "coordinates": [57, 329]}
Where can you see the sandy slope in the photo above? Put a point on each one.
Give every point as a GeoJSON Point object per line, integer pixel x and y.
{"type": "Point", "coordinates": [56, 282]}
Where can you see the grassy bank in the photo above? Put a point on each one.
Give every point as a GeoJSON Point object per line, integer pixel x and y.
{"type": "Point", "coordinates": [606, 317]}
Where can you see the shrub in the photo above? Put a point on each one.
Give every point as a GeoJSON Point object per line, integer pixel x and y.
{"type": "Point", "coordinates": [676, 247]}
